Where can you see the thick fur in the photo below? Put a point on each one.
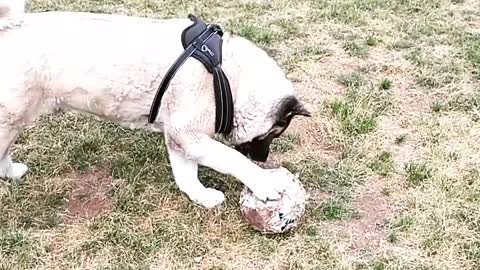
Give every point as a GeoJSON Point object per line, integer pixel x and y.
{"type": "Point", "coordinates": [112, 65]}
{"type": "Point", "coordinates": [10, 12]}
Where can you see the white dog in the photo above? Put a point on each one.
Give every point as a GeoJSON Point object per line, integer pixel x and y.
{"type": "Point", "coordinates": [111, 66]}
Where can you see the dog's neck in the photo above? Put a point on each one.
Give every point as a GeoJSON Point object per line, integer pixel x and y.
{"type": "Point", "coordinates": [259, 85]}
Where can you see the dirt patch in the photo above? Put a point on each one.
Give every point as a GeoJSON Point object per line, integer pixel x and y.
{"type": "Point", "coordinates": [374, 209]}
{"type": "Point", "coordinates": [316, 135]}
{"type": "Point", "coordinates": [317, 81]}
{"type": "Point", "coordinates": [367, 235]}
{"type": "Point", "coordinates": [317, 140]}
{"type": "Point", "coordinates": [90, 196]}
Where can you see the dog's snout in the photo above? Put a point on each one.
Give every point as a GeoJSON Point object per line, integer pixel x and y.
{"type": "Point", "coordinates": [257, 150]}
{"type": "Point", "coordinates": [242, 148]}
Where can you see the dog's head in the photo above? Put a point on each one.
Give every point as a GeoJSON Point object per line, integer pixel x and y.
{"type": "Point", "coordinates": [258, 148]}
{"type": "Point", "coordinates": [265, 99]}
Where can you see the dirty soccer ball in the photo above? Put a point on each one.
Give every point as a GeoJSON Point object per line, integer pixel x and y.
{"type": "Point", "coordinates": [275, 216]}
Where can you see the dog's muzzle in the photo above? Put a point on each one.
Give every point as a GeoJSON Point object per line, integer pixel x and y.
{"type": "Point", "coordinates": [257, 150]}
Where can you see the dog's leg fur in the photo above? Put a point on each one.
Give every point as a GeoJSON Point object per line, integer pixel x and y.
{"type": "Point", "coordinates": [185, 173]}
{"type": "Point", "coordinates": [10, 17]}
{"type": "Point", "coordinates": [19, 107]}
{"type": "Point", "coordinates": [210, 153]}
{"type": "Point", "coordinates": [8, 169]}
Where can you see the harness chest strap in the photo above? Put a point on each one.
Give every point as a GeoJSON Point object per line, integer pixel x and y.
{"type": "Point", "coordinates": [204, 43]}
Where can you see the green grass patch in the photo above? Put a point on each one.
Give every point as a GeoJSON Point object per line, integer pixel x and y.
{"type": "Point", "coordinates": [386, 84]}
{"type": "Point", "coordinates": [382, 164]}
{"type": "Point", "coordinates": [459, 103]}
{"type": "Point", "coordinates": [402, 44]}
{"type": "Point", "coordinates": [358, 111]}
{"type": "Point", "coordinates": [356, 49]}
{"type": "Point", "coordinates": [379, 263]}
{"type": "Point", "coordinates": [472, 251]}
{"type": "Point", "coordinates": [26, 207]}
{"type": "Point", "coordinates": [285, 143]}
{"type": "Point", "coordinates": [417, 57]}
{"type": "Point", "coordinates": [308, 53]}
{"type": "Point", "coordinates": [335, 209]}
{"type": "Point", "coordinates": [434, 241]}
{"type": "Point", "coordinates": [257, 34]}
{"type": "Point", "coordinates": [353, 123]}
{"type": "Point", "coordinates": [472, 47]}
{"type": "Point", "coordinates": [338, 180]}
{"type": "Point", "coordinates": [18, 250]}
{"type": "Point", "coordinates": [311, 53]}
{"type": "Point", "coordinates": [403, 224]}
{"type": "Point", "coordinates": [418, 173]}
{"type": "Point", "coordinates": [330, 178]}
{"type": "Point", "coordinates": [433, 72]}
{"type": "Point", "coordinates": [350, 12]}
{"type": "Point", "coordinates": [372, 41]}
{"type": "Point", "coordinates": [353, 80]}
{"type": "Point", "coordinates": [438, 75]}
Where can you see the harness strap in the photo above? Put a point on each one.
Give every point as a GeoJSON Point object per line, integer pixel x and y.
{"type": "Point", "coordinates": [166, 82]}
{"type": "Point", "coordinates": [206, 47]}
{"type": "Point", "coordinates": [223, 102]}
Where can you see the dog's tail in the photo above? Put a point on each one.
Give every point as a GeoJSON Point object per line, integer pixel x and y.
{"type": "Point", "coordinates": [11, 12]}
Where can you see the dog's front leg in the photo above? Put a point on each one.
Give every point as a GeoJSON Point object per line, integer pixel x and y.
{"type": "Point", "coordinates": [208, 152]}
{"type": "Point", "coordinates": [185, 173]}
{"type": "Point", "coordinates": [9, 169]}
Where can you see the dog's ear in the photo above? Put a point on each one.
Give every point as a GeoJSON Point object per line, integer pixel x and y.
{"type": "Point", "coordinates": [287, 109]}
{"type": "Point", "coordinates": [290, 107]}
{"type": "Point", "coordinates": [259, 148]}
{"type": "Point", "coordinates": [299, 109]}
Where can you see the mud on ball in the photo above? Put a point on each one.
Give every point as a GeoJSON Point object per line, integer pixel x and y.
{"type": "Point", "coordinates": [276, 216]}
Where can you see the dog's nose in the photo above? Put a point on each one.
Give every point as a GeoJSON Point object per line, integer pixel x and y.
{"type": "Point", "coordinates": [260, 156]}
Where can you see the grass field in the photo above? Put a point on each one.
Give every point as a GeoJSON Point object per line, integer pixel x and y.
{"type": "Point", "coordinates": [391, 157]}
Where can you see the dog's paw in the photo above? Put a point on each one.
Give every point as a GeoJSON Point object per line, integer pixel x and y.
{"type": "Point", "coordinates": [267, 190]}
{"type": "Point", "coordinates": [209, 198]}
{"type": "Point", "coordinates": [18, 171]}
{"type": "Point", "coordinates": [14, 171]}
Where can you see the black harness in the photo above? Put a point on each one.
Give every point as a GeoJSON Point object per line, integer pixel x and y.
{"type": "Point", "coordinates": [204, 43]}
